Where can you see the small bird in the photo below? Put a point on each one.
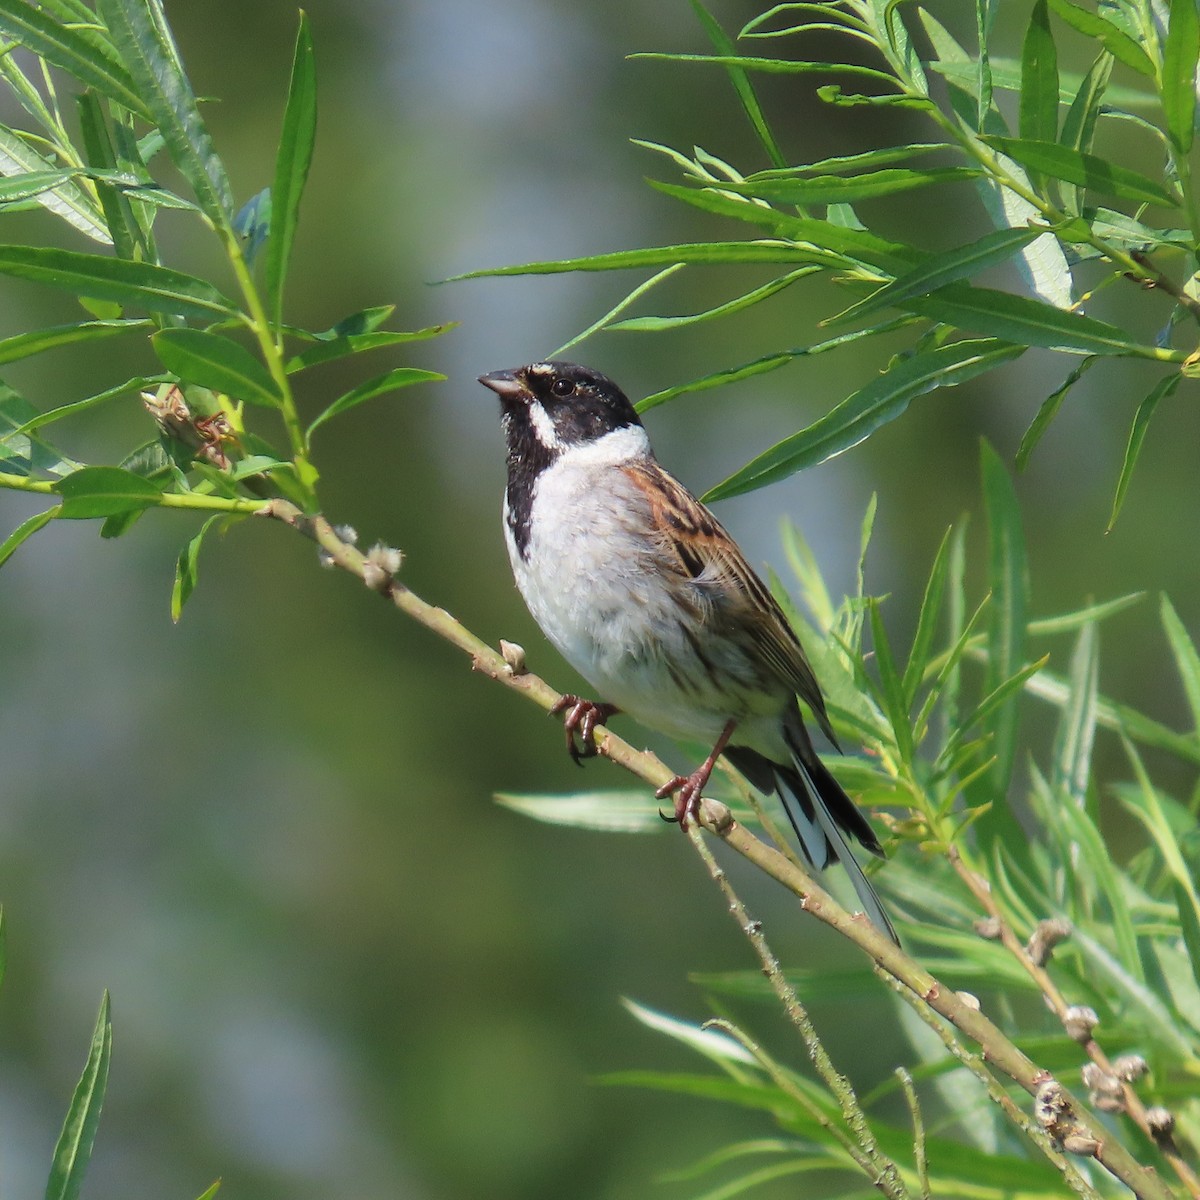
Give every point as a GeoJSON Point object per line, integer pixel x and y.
{"type": "Point", "coordinates": [646, 595]}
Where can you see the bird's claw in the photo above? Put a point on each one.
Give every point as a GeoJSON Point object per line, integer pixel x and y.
{"type": "Point", "coordinates": [686, 789]}
{"type": "Point", "coordinates": [583, 716]}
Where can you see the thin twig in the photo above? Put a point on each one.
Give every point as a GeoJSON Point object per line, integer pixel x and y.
{"type": "Point", "coordinates": [920, 1158]}
{"type": "Point", "coordinates": [881, 1170]}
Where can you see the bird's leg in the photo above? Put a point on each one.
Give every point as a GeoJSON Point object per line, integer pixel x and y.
{"type": "Point", "coordinates": [687, 788]}
{"type": "Point", "coordinates": [584, 716]}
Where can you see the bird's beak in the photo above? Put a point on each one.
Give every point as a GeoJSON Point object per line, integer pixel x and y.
{"type": "Point", "coordinates": [508, 385]}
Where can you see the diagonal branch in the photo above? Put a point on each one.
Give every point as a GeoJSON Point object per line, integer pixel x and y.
{"type": "Point", "coordinates": [1072, 1123]}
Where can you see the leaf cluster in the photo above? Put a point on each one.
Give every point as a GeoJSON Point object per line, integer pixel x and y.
{"type": "Point", "coordinates": [1043, 196]}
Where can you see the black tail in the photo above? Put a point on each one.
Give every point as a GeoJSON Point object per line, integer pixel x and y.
{"type": "Point", "coordinates": [819, 811]}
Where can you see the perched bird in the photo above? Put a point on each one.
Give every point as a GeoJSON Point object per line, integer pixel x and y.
{"type": "Point", "coordinates": [645, 594]}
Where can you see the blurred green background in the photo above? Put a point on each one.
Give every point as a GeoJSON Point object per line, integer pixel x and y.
{"type": "Point", "coordinates": [337, 967]}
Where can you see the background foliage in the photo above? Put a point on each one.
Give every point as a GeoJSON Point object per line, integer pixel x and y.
{"type": "Point", "coordinates": [333, 962]}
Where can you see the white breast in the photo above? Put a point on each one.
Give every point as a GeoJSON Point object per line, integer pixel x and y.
{"type": "Point", "coordinates": [593, 582]}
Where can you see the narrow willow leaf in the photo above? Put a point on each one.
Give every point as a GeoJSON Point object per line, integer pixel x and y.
{"type": "Point", "coordinates": [142, 284]}
{"type": "Point", "coordinates": [291, 165]}
{"type": "Point", "coordinates": [1120, 45]}
{"type": "Point", "coordinates": [1048, 411]}
{"type": "Point", "coordinates": [1008, 582]}
{"type": "Point", "coordinates": [834, 245]}
{"type": "Point", "coordinates": [1189, 923]}
{"type": "Point", "coordinates": [712, 1043]}
{"type": "Point", "coordinates": [855, 162]}
{"type": "Point", "coordinates": [328, 350]}
{"type": "Point", "coordinates": [1086, 170]}
{"type": "Point", "coordinates": [848, 189]}
{"type": "Point", "coordinates": [631, 297]}
{"type": "Point", "coordinates": [985, 15]}
{"type": "Point", "coordinates": [24, 345]}
{"type": "Point", "coordinates": [1137, 435]}
{"type": "Point", "coordinates": [1180, 52]}
{"type": "Point", "coordinates": [216, 362]}
{"type": "Point", "coordinates": [118, 212]}
{"type": "Point", "coordinates": [723, 44]}
{"type": "Point", "coordinates": [143, 40]}
{"type": "Point", "coordinates": [23, 533]}
{"type": "Point", "coordinates": [859, 415]}
{"type": "Point", "coordinates": [104, 492]}
{"type": "Point", "coordinates": [187, 569]}
{"type": "Point", "coordinates": [74, 1146]}
{"type": "Point", "coordinates": [777, 66]}
{"type": "Point", "coordinates": [927, 622]}
{"type": "Point", "coordinates": [658, 324]}
{"type": "Point", "coordinates": [941, 269]}
{"type": "Point", "coordinates": [892, 691]}
{"type": "Point", "coordinates": [1072, 755]}
{"type": "Point", "coordinates": [211, 1191]}
{"type": "Point", "coordinates": [20, 452]}
{"type": "Point", "coordinates": [1026, 321]}
{"type": "Point", "coordinates": [68, 201]}
{"type": "Point", "coordinates": [657, 256]}
{"type": "Point", "coordinates": [608, 812]}
{"type": "Point", "coordinates": [67, 49]}
{"type": "Point", "coordinates": [390, 381]}
{"type": "Point", "coordinates": [1187, 661]}
{"type": "Point", "coordinates": [37, 419]}
{"type": "Point", "coordinates": [1079, 125]}
{"type": "Point", "coordinates": [1039, 78]}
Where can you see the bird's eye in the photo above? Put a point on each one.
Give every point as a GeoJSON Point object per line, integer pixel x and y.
{"type": "Point", "coordinates": [562, 387]}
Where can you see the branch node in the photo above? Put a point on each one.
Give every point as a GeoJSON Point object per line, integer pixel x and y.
{"type": "Point", "coordinates": [1080, 1021]}
{"type": "Point", "coordinates": [972, 1002]}
{"type": "Point", "coordinates": [989, 928]}
{"type": "Point", "coordinates": [1082, 1144]}
{"type": "Point", "coordinates": [1160, 1122]}
{"type": "Point", "coordinates": [715, 817]}
{"type": "Point", "coordinates": [1045, 937]}
{"type": "Point", "coordinates": [1130, 1067]}
{"type": "Point", "coordinates": [514, 657]}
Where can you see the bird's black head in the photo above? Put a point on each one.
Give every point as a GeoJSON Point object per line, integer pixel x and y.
{"type": "Point", "coordinates": [549, 407]}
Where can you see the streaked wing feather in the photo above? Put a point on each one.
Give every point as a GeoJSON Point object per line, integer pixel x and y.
{"type": "Point", "coordinates": [700, 547]}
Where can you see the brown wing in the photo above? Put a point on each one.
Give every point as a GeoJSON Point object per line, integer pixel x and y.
{"type": "Point", "coordinates": [700, 546]}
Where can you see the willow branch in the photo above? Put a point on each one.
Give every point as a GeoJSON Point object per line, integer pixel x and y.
{"type": "Point", "coordinates": [998, 1050]}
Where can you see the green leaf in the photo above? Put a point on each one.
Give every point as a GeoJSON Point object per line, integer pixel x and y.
{"type": "Point", "coordinates": [20, 453]}
{"type": "Point", "coordinates": [104, 492]}
{"type": "Point", "coordinates": [74, 1146]}
{"type": "Point", "coordinates": [1189, 923]}
{"type": "Point", "coordinates": [1039, 78]}
{"type": "Point", "coordinates": [187, 569]}
{"type": "Point", "coordinates": [853, 162]}
{"type": "Point", "coordinates": [858, 416]}
{"type": "Point", "coordinates": [1079, 125]}
{"type": "Point", "coordinates": [1008, 580]}
{"type": "Point", "coordinates": [1072, 755]}
{"type": "Point", "coordinates": [927, 621]}
{"type": "Point", "coordinates": [778, 66]}
{"type": "Point", "coordinates": [893, 701]}
{"type": "Point", "coordinates": [390, 381]}
{"type": "Point", "coordinates": [1085, 170]}
{"type": "Point", "coordinates": [985, 15]}
{"type": "Point", "coordinates": [69, 50]}
{"type": "Point", "coordinates": [123, 227]}
{"type": "Point", "coordinates": [1120, 45]}
{"type": "Point", "coordinates": [143, 40]}
{"type": "Point", "coordinates": [1026, 321]}
{"type": "Point", "coordinates": [741, 84]}
{"type": "Point", "coordinates": [36, 420]}
{"type": "Point", "coordinates": [1137, 435]}
{"type": "Point", "coordinates": [846, 189]}
{"type": "Point", "coordinates": [68, 201]}
{"type": "Point", "coordinates": [216, 362]}
{"type": "Point", "coordinates": [327, 350]}
{"type": "Point", "coordinates": [22, 533]}
{"type": "Point", "coordinates": [23, 345]}
{"type": "Point", "coordinates": [659, 324]}
{"type": "Point", "coordinates": [291, 166]}
{"type": "Point", "coordinates": [1048, 411]}
{"type": "Point", "coordinates": [1180, 52]}
{"type": "Point", "coordinates": [712, 1043]}
{"type": "Point", "coordinates": [1187, 661]}
{"type": "Point", "coordinates": [941, 269]}
{"type": "Point", "coordinates": [657, 256]}
{"type": "Point", "coordinates": [158, 289]}
{"type": "Point", "coordinates": [608, 812]}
